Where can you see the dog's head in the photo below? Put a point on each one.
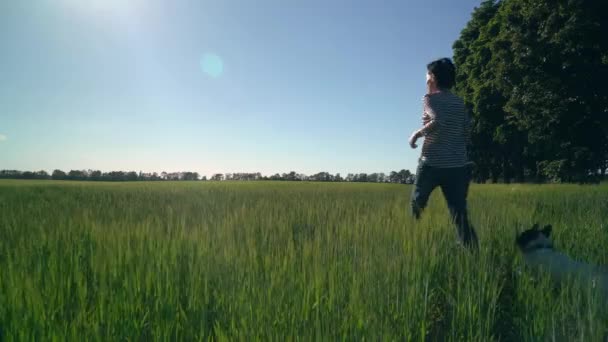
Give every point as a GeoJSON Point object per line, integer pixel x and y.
{"type": "Point", "coordinates": [534, 238]}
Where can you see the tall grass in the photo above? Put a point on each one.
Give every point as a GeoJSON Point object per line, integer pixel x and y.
{"type": "Point", "coordinates": [236, 261]}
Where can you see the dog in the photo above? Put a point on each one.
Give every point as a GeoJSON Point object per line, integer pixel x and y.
{"type": "Point", "coordinates": [538, 252]}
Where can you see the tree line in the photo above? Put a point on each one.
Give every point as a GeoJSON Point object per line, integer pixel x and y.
{"type": "Point", "coordinates": [96, 175]}
{"type": "Point", "coordinates": [533, 74]}
{"type": "Point", "coordinates": [400, 177]}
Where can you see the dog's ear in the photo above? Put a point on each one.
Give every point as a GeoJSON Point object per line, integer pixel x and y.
{"type": "Point", "coordinates": [535, 226]}
{"type": "Point", "coordinates": [547, 230]}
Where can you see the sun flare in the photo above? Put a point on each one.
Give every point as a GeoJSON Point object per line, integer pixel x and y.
{"type": "Point", "coordinates": [105, 6]}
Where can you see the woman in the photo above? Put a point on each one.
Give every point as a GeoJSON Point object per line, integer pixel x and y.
{"type": "Point", "coordinates": [443, 161]}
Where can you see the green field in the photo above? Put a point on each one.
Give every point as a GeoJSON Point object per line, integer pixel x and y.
{"type": "Point", "coordinates": [276, 260]}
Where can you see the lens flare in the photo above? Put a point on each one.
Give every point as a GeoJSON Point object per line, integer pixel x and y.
{"type": "Point", "coordinates": [212, 65]}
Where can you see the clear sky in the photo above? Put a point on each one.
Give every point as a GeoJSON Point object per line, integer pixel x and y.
{"type": "Point", "coordinates": [218, 86]}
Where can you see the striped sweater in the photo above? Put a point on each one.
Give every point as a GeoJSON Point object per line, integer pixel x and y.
{"type": "Point", "coordinates": [447, 132]}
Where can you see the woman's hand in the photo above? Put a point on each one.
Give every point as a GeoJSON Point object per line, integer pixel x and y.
{"type": "Point", "coordinates": [426, 118]}
{"type": "Point", "coordinates": [414, 138]}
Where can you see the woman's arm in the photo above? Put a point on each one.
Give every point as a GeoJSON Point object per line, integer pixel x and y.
{"type": "Point", "coordinates": [429, 119]}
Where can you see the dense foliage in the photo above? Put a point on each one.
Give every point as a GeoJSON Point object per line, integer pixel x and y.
{"type": "Point", "coordinates": [534, 74]}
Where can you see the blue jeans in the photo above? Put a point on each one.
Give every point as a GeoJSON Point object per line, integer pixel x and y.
{"type": "Point", "coordinates": [454, 183]}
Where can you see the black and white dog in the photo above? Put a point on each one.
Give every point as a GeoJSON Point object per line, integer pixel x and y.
{"type": "Point", "coordinates": [538, 252]}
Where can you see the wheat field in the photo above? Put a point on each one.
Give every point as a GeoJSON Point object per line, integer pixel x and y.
{"type": "Point", "coordinates": [289, 260]}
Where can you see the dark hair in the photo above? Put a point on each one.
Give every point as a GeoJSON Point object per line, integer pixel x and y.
{"type": "Point", "coordinates": [444, 71]}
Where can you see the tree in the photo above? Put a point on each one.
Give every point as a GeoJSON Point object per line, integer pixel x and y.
{"type": "Point", "coordinates": [405, 177]}
{"type": "Point", "coordinates": [361, 177]}
{"type": "Point", "coordinates": [322, 177]}
{"type": "Point", "coordinates": [291, 176]}
{"type": "Point", "coordinates": [217, 177]}
{"type": "Point", "coordinates": [190, 176]}
{"type": "Point", "coordinates": [533, 74]}
{"type": "Point", "coordinates": [114, 176]}
{"type": "Point", "coordinates": [58, 174]}
{"type": "Point", "coordinates": [41, 175]}
{"type": "Point", "coordinates": [28, 175]}
{"type": "Point", "coordinates": [373, 178]}
{"type": "Point", "coordinates": [95, 175]}
{"type": "Point", "coordinates": [131, 176]}
{"type": "Point", "coordinates": [382, 177]}
{"type": "Point", "coordinates": [471, 56]}
{"type": "Point", "coordinates": [172, 176]}
{"type": "Point", "coordinates": [393, 177]}
{"type": "Point", "coordinates": [77, 175]}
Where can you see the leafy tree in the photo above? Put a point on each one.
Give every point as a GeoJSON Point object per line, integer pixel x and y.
{"type": "Point", "coordinates": [114, 176]}
{"type": "Point", "coordinates": [58, 174]}
{"type": "Point", "coordinates": [41, 175]}
{"type": "Point", "coordinates": [405, 177]}
{"type": "Point", "coordinates": [361, 177]}
{"type": "Point", "coordinates": [95, 175]}
{"type": "Point", "coordinates": [131, 176]}
{"type": "Point", "coordinates": [291, 176]}
{"type": "Point", "coordinates": [217, 177]}
{"type": "Point", "coordinates": [190, 176]}
{"type": "Point", "coordinates": [77, 175]}
{"type": "Point", "coordinates": [28, 175]}
{"type": "Point", "coordinates": [533, 74]}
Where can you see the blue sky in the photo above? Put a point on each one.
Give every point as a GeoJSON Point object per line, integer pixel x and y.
{"type": "Point", "coordinates": [218, 86]}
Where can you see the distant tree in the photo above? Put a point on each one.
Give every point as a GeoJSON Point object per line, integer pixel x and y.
{"type": "Point", "coordinates": [95, 175]}
{"type": "Point", "coordinates": [172, 176]}
{"type": "Point", "coordinates": [322, 177]}
{"type": "Point", "coordinates": [28, 175]}
{"type": "Point", "coordinates": [382, 177]}
{"type": "Point", "coordinates": [58, 174]}
{"type": "Point", "coordinates": [77, 175]}
{"type": "Point", "coordinates": [338, 178]}
{"type": "Point", "coordinates": [405, 177]}
{"type": "Point", "coordinates": [190, 176]}
{"type": "Point", "coordinates": [41, 175]}
{"type": "Point", "coordinates": [292, 176]}
{"type": "Point", "coordinates": [131, 176]}
{"type": "Point", "coordinates": [393, 177]}
{"type": "Point", "coordinates": [11, 174]}
{"type": "Point", "coordinates": [373, 178]}
{"type": "Point", "coordinates": [361, 177]}
{"type": "Point", "coordinates": [115, 176]}
{"type": "Point", "coordinates": [217, 177]}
